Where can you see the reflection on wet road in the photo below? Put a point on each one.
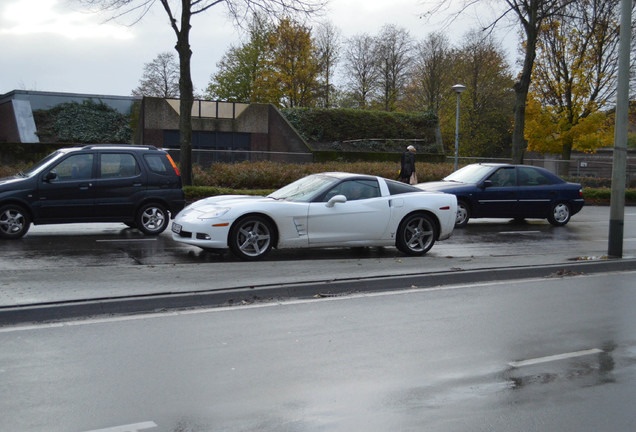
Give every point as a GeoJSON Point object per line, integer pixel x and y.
{"type": "Point", "coordinates": [115, 244]}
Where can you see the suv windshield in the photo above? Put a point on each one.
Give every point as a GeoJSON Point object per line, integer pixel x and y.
{"type": "Point", "coordinates": [42, 163]}
{"type": "Point", "coordinates": [469, 174]}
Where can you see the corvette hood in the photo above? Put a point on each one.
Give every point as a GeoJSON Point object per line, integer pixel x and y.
{"type": "Point", "coordinates": [212, 204]}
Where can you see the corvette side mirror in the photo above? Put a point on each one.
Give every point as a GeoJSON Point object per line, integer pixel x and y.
{"type": "Point", "coordinates": [336, 199]}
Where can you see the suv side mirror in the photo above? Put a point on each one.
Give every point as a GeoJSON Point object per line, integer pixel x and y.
{"type": "Point", "coordinates": [486, 184]}
{"type": "Point", "coordinates": [337, 199]}
{"type": "Point", "coordinates": [51, 175]}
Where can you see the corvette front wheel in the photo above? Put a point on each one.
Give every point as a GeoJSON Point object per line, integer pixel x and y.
{"type": "Point", "coordinates": [251, 238]}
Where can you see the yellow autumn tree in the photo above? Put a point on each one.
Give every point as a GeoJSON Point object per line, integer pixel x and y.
{"type": "Point", "coordinates": [294, 64]}
{"type": "Point", "coordinates": [574, 77]}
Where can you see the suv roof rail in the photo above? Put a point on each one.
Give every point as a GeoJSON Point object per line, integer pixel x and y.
{"type": "Point", "coordinates": [119, 146]}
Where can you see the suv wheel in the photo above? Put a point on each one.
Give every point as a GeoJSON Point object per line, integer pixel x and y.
{"type": "Point", "coordinates": [14, 221]}
{"type": "Point", "coordinates": [152, 219]}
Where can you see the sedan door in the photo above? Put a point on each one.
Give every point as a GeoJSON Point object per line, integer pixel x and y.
{"type": "Point", "coordinates": [364, 216]}
{"type": "Point", "coordinates": [536, 193]}
{"type": "Point", "coordinates": [499, 197]}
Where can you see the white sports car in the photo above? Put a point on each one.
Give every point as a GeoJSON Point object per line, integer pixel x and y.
{"type": "Point", "coordinates": [320, 210]}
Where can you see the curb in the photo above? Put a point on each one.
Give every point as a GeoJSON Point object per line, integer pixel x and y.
{"type": "Point", "coordinates": [318, 289]}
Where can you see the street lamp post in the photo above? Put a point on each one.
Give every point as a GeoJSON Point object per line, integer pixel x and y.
{"type": "Point", "coordinates": [457, 88]}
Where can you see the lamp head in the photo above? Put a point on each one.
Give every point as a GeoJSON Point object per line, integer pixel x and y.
{"type": "Point", "coordinates": [458, 88]}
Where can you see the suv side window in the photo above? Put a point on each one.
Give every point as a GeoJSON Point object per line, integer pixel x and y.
{"type": "Point", "coordinates": [116, 165]}
{"type": "Point", "coordinates": [75, 167]}
{"type": "Point", "coordinates": [158, 164]}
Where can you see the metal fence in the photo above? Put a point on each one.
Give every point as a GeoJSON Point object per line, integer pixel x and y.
{"type": "Point", "coordinates": [590, 166]}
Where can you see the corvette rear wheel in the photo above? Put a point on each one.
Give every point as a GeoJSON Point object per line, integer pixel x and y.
{"type": "Point", "coordinates": [251, 238]}
{"type": "Point", "coordinates": [416, 234]}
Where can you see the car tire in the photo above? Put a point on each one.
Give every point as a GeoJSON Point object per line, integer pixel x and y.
{"type": "Point", "coordinates": [14, 221]}
{"type": "Point", "coordinates": [152, 219]}
{"type": "Point", "coordinates": [416, 234]}
{"type": "Point", "coordinates": [463, 214]}
{"type": "Point", "coordinates": [251, 238]}
{"type": "Point", "coordinates": [559, 214]}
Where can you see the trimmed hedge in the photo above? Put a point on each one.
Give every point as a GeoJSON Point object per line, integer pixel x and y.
{"type": "Point", "coordinates": [328, 125]}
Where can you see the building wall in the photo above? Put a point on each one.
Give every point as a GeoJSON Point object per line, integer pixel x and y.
{"type": "Point", "coordinates": [269, 131]}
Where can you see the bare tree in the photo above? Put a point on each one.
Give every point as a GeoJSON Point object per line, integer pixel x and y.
{"type": "Point", "coordinates": [360, 68]}
{"type": "Point", "coordinates": [393, 56]}
{"type": "Point", "coordinates": [430, 79]}
{"type": "Point", "coordinates": [160, 78]}
{"type": "Point", "coordinates": [328, 47]}
{"type": "Point", "coordinates": [180, 13]}
{"type": "Point", "coordinates": [531, 15]}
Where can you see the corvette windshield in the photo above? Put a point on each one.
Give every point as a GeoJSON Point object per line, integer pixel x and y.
{"type": "Point", "coordinates": [304, 189]}
{"type": "Point", "coordinates": [469, 174]}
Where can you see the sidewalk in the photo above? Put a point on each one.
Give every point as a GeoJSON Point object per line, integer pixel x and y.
{"type": "Point", "coordinates": [48, 294]}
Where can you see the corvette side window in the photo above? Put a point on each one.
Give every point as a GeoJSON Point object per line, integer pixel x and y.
{"type": "Point", "coordinates": [355, 190]}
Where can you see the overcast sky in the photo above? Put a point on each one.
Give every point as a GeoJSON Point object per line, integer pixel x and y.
{"type": "Point", "coordinates": [53, 45]}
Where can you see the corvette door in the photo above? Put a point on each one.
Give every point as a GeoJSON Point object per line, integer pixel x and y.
{"type": "Point", "coordinates": [363, 217]}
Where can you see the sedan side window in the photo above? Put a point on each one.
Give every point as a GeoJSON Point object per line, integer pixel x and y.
{"type": "Point", "coordinates": [75, 167]}
{"type": "Point", "coordinates": [503, 177]}
{"type": "Point", "coordinates": [532, 177]}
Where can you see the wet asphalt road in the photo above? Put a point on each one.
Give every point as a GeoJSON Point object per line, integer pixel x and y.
{"type": "Point", "coordinates": [538, 354]}
{"type": "Point", "coordinates": [547, 355]}
{"type": "Point", "coordinates": [58, 263]}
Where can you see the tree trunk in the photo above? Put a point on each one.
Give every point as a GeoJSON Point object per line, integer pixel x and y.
{"type": "Point", "coordinates": [187, 95]}
{"type": "Point", "coordinates": [519, 143]}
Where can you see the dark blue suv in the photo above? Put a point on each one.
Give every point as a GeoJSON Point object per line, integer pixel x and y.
{"type": "Point", "coordinates": [137, 185]}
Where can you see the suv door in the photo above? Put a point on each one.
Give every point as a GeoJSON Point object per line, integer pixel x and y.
{"type": "Point", "coordinates": [65, 191]}
{"type": "Point", "coordinates": [119, 186]}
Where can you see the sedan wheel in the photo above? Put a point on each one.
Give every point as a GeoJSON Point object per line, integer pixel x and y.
{"type": "Point", "coordinates": [463, 214]}
{"type": "Point", "coordinates": [152, 219]}
{"type": "Point", "coordinates": [416, 234]}
{"type": "Point", "coordinates": [251, 238]}
{"type": "Point", "coordinates": [14, 221]}
{"type": "Point", "coordinates": [560, 214]}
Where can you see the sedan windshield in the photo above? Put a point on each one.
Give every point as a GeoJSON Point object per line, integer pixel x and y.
{"type": "Point", "coordinates": [304, 189]}
{"type": "Point", "coordinates": [469, 174]}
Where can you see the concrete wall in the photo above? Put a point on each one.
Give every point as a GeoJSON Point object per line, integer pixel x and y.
{"type": "Point", "coordinates": [269, 130]}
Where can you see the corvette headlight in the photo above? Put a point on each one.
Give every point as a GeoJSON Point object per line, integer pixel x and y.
{"type": "Point", "coordinates": [215, 213]}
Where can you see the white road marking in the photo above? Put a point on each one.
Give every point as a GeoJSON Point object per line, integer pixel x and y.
{"type": "Point", "coordinates": [128, 428]}
{"type": "Point", "coordinates": [552, 358]}
{"type": "Point", "coordinates": [519, 232]}
{"type": "Point", "coordinates": [126, 240]}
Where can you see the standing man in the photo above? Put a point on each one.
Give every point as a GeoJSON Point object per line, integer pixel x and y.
{"type": "Point", "coordinates": [407, 166]}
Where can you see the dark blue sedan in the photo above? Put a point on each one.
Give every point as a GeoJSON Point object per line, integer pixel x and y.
{"type": "Point", "coordinates": [490, 190]}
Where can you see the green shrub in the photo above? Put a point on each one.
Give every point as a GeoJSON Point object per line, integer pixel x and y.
{"type": "Point", "coordinates": [86, 123]}
{"type": "Point", "coordinates": [332, 125]}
